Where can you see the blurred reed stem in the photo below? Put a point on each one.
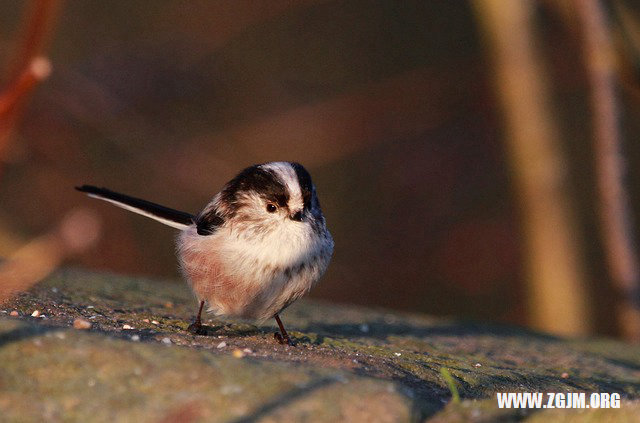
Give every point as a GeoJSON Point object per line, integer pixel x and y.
{"type": "Point", "coordinates": [558, 298]}
{"type": "Point", "coordinates": [27, 67]}
{"type": "Point", "coordinates": [79, 230]}
{"type": "Point", "coordinates": [620, 249]}
{"type": "Point", "coordinates": [33, 36]}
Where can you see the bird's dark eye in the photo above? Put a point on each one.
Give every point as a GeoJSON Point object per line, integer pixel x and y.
{"type": "Point", "coordinates": [271, 208]}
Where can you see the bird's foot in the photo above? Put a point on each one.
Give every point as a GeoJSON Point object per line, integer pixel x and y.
{"type": "Point", "coordinates": [198, 328]}
{"type": "Point", "coordinates": [282, 340]}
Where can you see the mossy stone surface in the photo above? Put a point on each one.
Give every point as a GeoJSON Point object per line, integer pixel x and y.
{"type": "Point", "coordinates": [348, 364]}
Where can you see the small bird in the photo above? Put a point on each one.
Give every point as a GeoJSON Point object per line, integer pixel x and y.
{"type": "Point", "coordinates": [260, 243]}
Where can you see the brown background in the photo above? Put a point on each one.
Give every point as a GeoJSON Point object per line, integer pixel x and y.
{"type": "Point", "coordinates": [389, 104]}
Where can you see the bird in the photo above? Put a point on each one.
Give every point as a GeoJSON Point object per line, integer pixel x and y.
{"type": "Point", "coordinates": [260, 244]}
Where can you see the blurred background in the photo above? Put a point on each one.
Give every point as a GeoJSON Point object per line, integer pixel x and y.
{"type": "Point", "coordinates": [401, 111]}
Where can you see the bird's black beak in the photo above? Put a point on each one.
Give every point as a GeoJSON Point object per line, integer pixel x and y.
{"type": "Point", "coordinates": [297, 216]}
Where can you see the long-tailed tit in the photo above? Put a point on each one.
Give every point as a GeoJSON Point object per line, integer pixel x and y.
{"type": "Point", "coordinates": [259, 245]}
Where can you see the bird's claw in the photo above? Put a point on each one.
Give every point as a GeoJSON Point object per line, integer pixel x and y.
{"type": "Point", "coordinates": [282, 340]}
{"type": "Point", "coordinates": [197, 329]}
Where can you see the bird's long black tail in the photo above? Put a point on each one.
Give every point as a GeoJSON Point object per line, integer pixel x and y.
{"type": "Point", "coordinates": [171, 217]}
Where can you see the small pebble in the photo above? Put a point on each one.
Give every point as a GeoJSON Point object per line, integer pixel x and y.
{"type": "Point", "coordinates": [155, 322]}
{"type": "Point", "coordinates": [364, 328]}
{"type": "Point", "coordinates": [145, 320]}
{"type": "Point", "coordinates": [14, 313]}
{"type": "Point", "coordinates": [135, 338]}
{"type": "Point", "coordinates": [126, 327]}
{"type": "Point", "coordinates": [221, 345]}
{"type": "Point", "coordinates": [168, 304]}
{"type": "Point", "coordinates": [247, 351]}
{"type": "Point", "coordinates": [238, 353]}
{"type": "Point", "coordinates": [166, 341]}
{"type": "Point", "coordinates": [478, 365]}
{"type": "Point", "coordinates": [90, 307]}
{"type": "Point", "coordinates": [60, 335]}
{"type": "Point", "coordinates": [565, 375]}
{"type": "Point", "coordinates": [81, 324]}
{"type": "Point", "coordinates": [35, 313]}
{"type": "Point", "coordinates": [54, 290]}
{"type": "Point", "coordinates": [398, 354]}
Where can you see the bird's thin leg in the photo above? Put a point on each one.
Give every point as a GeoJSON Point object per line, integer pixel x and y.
{"type": "Point", "coordinates": [198, 317]}
{"type": "Point", "coordinates": [196, 327]}
{"type": "Point", "coordinates": [283, 336]}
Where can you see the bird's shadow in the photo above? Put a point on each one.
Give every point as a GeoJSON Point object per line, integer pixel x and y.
{"type": "Point", "coordinates": [315, 331]}
{"type": "Point", "coordinates": [232, 330]}
{"type": "Point", "coordinates": [204, 330]}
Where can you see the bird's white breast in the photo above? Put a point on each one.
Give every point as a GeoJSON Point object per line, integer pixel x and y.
{"type": "Point", "coordinates": [243, 274]}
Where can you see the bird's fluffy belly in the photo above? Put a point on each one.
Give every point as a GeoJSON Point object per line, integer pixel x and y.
{"type": "Point", "coordinates": [248, 282]}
